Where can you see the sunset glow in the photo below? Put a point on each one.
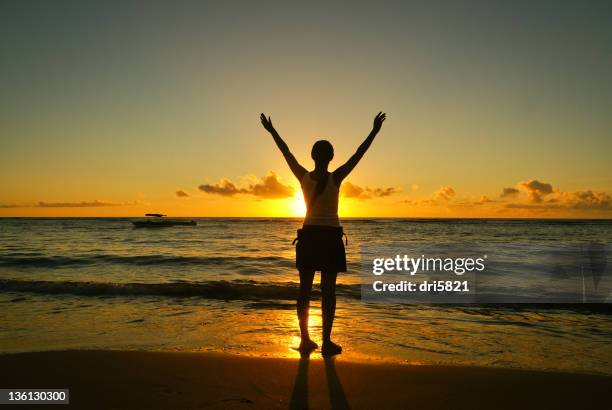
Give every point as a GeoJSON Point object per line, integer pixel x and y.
{"type": "Point", "coordinates": [306, 205]}
{"type": "Point", "coordinates": [298, 206]}
{"type": "Point", "coordinates": [164, 118]}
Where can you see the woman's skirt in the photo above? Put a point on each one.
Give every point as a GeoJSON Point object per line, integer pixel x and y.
{"type": "Point", "coordinates": [320, 248]}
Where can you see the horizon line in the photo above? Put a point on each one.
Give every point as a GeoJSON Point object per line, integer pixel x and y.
{"type": "Point", "coordinates": [300, 217]}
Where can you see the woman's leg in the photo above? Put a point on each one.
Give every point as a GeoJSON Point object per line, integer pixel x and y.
{"type": "Point", "coordinates": [303, 304]}
{"type": "Point", "coordinates": [328, 309]}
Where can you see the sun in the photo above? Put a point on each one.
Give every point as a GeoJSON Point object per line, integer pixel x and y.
{"type": "Point", "coordinates": [298, 206]}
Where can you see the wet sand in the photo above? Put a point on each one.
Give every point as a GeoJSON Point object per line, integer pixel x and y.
{"type": "Point", "coordinates": [160, 380]}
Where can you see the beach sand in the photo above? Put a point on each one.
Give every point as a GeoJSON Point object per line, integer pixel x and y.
{"type": "Point", "coordinates": [160, 380]}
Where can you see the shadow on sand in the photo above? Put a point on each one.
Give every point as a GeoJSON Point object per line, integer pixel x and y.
{"type": "Point", "coordinates": [299, 395]}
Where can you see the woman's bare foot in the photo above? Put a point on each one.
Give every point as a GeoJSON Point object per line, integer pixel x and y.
{"type": "Point", "coordinates": [330, 349]}
{"type": "Point", "coordinates": [307, 346]}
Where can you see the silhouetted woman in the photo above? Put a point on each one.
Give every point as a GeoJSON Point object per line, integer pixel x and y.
{"type": "Point", "coordinates": [320, 246]}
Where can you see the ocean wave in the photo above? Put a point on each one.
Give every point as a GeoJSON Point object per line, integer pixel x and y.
{"type": "Point", "coordinates": [21, 260]}
{"type": "Point", "coordinates": [225, 290]}
{"type": "Point", "coordinates": [263, 294]}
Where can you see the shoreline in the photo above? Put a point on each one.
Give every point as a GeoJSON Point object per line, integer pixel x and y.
{"type": "Point", "coordinates": [159, 380]}
{"type": "Point", "coordinates": [348, 357]}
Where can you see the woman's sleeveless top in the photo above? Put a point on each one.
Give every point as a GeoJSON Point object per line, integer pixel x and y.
{"type": "Point", "coordinates": [324, 209]}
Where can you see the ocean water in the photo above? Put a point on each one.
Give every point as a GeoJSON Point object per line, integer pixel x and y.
{"type": "Point", "coordinates": [228, 284]}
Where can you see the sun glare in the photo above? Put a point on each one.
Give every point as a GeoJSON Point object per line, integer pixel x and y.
{"type": "Point", "coordinates": [298, 207]}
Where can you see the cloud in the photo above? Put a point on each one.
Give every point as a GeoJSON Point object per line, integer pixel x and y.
{"type": "Point", "coordinates": [532, 196]}
{"type": "Point", "coordinates": [536, 190]}
{"type": "Point", "coordinates": [182, 194]}
{"type": "Point", "coordinates": [586, 200]}
{"type": "Point", "coordinates": [225, 187]}
{"type": "Point", "coordinates": [542, 196]}
{"type": "Point", "coordinates": [355, 191]}
{"type": "Point", "coordinates": [82, 204]}
{"type": "Point", "coordinates": [268, 187]}
{"type": "Point", "coordinates": [445, 193]}
{"type": "Point", "coordinates": [509, 192]}
{"type": "Point", "coordinates": [484, 200]}
{"type": "Point", "coordinates": [580, 200]}
{"type": "Point", "coordinates": [525, 206]}
{"type": "Point", "coordinates": [443, 196]}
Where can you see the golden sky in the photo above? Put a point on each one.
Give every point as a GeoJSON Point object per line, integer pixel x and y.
{"type": "Point", "coordinates": [112, 109]}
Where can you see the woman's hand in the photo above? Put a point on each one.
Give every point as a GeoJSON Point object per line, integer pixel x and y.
{"type": "Point", "coordinates": [378, 121]}
{"type": "Point", "coordinates": [267, 123]}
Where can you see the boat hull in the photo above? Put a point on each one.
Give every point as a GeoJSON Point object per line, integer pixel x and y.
{"type": "Point", "coordinates": [162, 224]}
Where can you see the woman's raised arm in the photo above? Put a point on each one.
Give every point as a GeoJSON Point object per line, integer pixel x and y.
{"type": "Point", "coordinates": [345, 169]}
{"type": "Point", "coordinates": [296, 168]}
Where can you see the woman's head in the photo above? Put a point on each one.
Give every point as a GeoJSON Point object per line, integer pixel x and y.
{"type": "Point", "coordinates": [322, 151]}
